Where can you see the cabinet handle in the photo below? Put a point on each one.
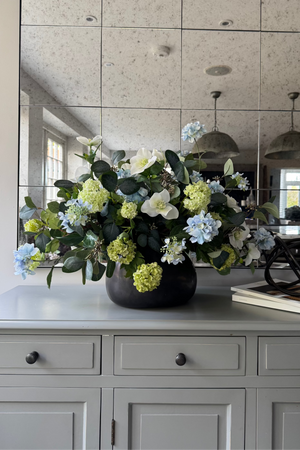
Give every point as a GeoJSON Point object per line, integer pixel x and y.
{"type": "Point", "coordinates": [180, 359]}
{"type": "Point", "coordinates": [32, 357]}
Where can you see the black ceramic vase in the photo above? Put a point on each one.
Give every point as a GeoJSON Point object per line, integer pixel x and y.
{"type": "Point", "coordinates": [177, 286]}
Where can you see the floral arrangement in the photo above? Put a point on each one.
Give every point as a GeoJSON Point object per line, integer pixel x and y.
{"type": "Point", "coordinates": [156, 200]}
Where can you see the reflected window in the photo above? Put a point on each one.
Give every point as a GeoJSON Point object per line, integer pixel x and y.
{"type": "Point", "coordinates": [54, 164]}
{"type": "Point", "coordinates": [290, 189]}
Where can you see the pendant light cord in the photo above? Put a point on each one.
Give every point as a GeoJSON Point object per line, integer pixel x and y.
{"type": "Point", "coordinates": [215, 128]}
{"type": "Point", "coordinates": [292, 116]}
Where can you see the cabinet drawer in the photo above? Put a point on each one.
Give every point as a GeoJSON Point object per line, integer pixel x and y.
{"type": "Point", "coordinates": [279, 356]}
{"type": "Point", "coordinates": [140, 355]}
{"type": "Point", "coordinates": [56, 354]}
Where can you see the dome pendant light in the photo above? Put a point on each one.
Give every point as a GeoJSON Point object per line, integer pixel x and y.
{"type": "Point", "coordinates": [216, 144]}
{"type": "Point", "coordinates": [287, 145]}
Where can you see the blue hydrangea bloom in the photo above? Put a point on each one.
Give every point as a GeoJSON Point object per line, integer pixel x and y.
{"type": "Point", "coordinates": [139, 196]}
{"type": "Point", "coordinates": [196, 176]}
{"type": "Point", "coordinates": [123, 173]}
{"type": "Point", "coordinates": [202, 228]}
{"type": "Point", "coordinates": [23, 259]}
{"type": "Point", "coordinates": [263, 239]}
{"type": "Point", "coordinates": [75, 215]}
{"type": "Point", "coordinates": [215, 187]}
{"type": "Point", "coordinates": [192, 131]}
{"type": "Point", "coordinates": [243, 183]}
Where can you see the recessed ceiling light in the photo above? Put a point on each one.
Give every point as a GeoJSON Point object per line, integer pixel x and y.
{"type": "Point", "coordinates": [217, 71]}
{"type": "Point", "coordinates": [161, 50]}
{"type": "Point", "coordinates": [108, 64]}
{"type": "Point", "coordinates": [226, 23]}
{"type": "Point", "coordinates": [91, 19]}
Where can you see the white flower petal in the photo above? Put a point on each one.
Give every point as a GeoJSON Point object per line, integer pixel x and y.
{"type": "Point", "coordinates": [172, 214]}
{"type": "Point", "coordinates": [165, 196]}
{"type": "Point", "coordinates": [83, 140]}
{"type": "Point", "coordinates": [147, 209]}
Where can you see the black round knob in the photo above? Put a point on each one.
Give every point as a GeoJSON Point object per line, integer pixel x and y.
{"type": "Point", "coordinates": [32, 357]}
{"type": "Point", "coordinates": [180, 359]}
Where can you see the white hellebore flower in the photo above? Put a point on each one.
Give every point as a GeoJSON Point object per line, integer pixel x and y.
{"type": "Point", "coordinates": [232, 203]}
{"type": "Point", "coordinates": [253, 253]}
{"type": "Point", "coordinates": [160, 156]}
{"type": "Point", "coordinates": [237, 237]}
{"type": "Point", "coordinates": [158, 204]}
{"type": "Point", "coordinates": [141, 161]}
{"type": "Point", "coordinates": [90, 142]}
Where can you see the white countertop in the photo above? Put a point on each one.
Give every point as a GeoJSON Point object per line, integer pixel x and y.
{"type": "Point", "coordinates": [89, 308]}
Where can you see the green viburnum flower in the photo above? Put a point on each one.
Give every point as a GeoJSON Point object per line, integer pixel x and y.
{"type": "Point", "coordinates": [36, 260]}
{"type": "Point", "coordinates": [229, 261]}
{"type": "Point", "coordinates": [129, 210]}
{"type": "Point", "coordinates": [216, 216]}
{"type": "Point", "coordinates": [121, 250]}
{"type": "Point", "coordinates": [197, 197]}
{"type": "Point", "coordinates": [94, 194]}
{"type": "Point", "coordinates": [147, 277]}
{"type": "Point", "coordinates": [33, 225]}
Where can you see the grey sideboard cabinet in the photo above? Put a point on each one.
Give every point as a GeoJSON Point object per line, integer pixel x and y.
{"type": "Point", "coordinates": [79, 372]}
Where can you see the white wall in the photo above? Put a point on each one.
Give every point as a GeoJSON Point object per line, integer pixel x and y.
{"type": "Point", "coordinates": [9, 45]}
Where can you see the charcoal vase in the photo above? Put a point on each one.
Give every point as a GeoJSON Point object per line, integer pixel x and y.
{"type": "Point", "coordinates": [177, 287]}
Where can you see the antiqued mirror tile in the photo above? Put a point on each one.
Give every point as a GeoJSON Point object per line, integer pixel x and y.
{"type": "Point", "coordinates": [280, 55]}
{"type": "Point", "coordinates": [142, 13]}
{"type": "Point", "coordinates": [221, 14]}
{"type": "Point", "coordinates": [137, 128]}
{"type": "Point", "coordinates": [278, 15]}
{"type": "Point", "coordinates": [61, 12]}
{"type": "Point", "coordinates": [237, 50]}
{"type": "Point", "coordinates": [133, 76]}
{"type": "Point", "coordinates": [61, 65]}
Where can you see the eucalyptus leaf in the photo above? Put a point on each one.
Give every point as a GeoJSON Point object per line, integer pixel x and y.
{"type": "Point", "coordinates": [83, 272]}
{"type": "Point", "coordinates": [98, 271]}
{"type": "Point", "coordinates": [72, 264]}
{"type": "Point", "coordinates": [100, 167]}
{"type": "Point", "coordinates": [66, 184]}
{"type": "Point", "coordinates": [128, 186]}
{"type": "Point", "coordinates": [71, 239]}
{"type": "Point", "coordinates": [117, 156]}
{"type": "Point", "coordinates": [89, 270]}
{"type": "Point", "coordinates": [83, 177]}
{"type": "Point", "coordinates": [41, 242]}
{"type": "Point", "coordinates": [271, 208]}
{"type": "Point", "coordinates": [228, 167]}
{"type": "Point", "coordinates": [26, 213]}
{"type": "Point", "coordinates": [172, 158]}
{"type": "Point", "coordinates": [259, 215]}
{"type": "Point", "coordinates": [53, 207]}
{"type": "Point", "coordinates": [201, 165]}
{"type": "Point", "coordinates": [153, 244]}
{"type": "Point", "coordinates": [90, 239]}
{"type": "Point", "coordinates": [237, 219]}
{"type": "Point", "coordinates": [181, 173]}
{"type": "Point", "coordinates": [215, 254]}
{"type": "Point", "coordinates": [156, 168]}
{"type": "Point", "coordinates": [109, 181]}
{"type": "Point", "coordinates": [142, 240]}
{"type": "Point", "coordinates": [30, 203]}
{"type": "Point", "coordinates": [110, 268]}
{"type": "Point", "coordinates": [49, 277]}
{"type": "Point", "coordinates": [110, 232]}
{"type": "Point", "coordinates": [176, 193]}
{"type": "Point", "coordinates": [190, 164]}
{"type": "Point", "coordinates": [218, 198]}
{"type": "Point", "coordinates": [220, 260]}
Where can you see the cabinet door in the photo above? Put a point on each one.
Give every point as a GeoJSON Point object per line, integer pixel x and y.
{"type": "Point", "coordinates": [177, 419]}
{"type": "Point", "coordinates": [49, 419]}
{"type": "Point", "coordinates": [278, 419]}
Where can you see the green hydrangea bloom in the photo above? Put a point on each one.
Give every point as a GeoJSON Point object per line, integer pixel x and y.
{"type": "Point", "coordinates": [129, 210]}
{"type": "Point", "coordinates": [36, 260]}
{"type": "Point", "coordinates": [94, 194]}
{"type": "Point", "coordinates": [33, 225]}
{"type": "Point", "coordinates": [121, 250]}
{"type": "Point", "coordinates": [230, 260]}
{"type": "Point", "coordinates": [197, 197]}
{"type": "Point", "coordinates": [147, 277]}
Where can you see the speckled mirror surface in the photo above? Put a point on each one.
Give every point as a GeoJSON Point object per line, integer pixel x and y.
{"type": "Point", "coordinates": [92, 67]}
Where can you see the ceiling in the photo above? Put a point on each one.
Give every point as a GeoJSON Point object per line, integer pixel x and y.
{"type": "Point", "coordinates": [106, 73]}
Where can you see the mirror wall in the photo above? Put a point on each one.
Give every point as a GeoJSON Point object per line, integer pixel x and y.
{"type": "Point", "coordinates": [97, 67]}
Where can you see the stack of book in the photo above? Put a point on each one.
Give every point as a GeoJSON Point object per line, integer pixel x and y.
{"type": "Point", "coordinates": [262, 294]}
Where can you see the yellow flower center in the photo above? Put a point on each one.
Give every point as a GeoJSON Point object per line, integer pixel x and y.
{"type": "Point", "coordinates": [143, 162]}
{"type": "Point", "coordinates": [160, 204]}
